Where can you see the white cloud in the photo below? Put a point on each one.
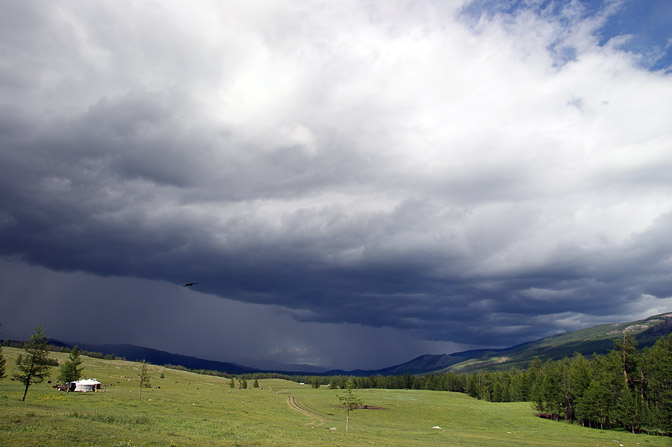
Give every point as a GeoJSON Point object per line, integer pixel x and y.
{"type": "Point", "coordinates": [375, 146]}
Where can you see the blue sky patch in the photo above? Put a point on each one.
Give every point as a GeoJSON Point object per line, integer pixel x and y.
{"type": "Point", "coordinates": [646, 24]}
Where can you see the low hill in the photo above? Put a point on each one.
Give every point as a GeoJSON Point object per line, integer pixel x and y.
{"type": "Point", "coordinates": [157, 357]}
{"type": "Point", "coordinates": [419, 365]}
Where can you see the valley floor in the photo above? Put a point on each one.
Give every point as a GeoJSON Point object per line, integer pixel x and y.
{"type": "Point", "coordinates": [186, 409]}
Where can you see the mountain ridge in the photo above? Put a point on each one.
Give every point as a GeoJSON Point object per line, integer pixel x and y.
{"type": "Point", "coordinates": [587, 341]}
{"type": "Point", "coordinates": [158, 357]}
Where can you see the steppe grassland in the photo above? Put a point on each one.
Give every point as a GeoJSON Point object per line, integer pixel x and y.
{"type": "Point", "coordinates": [196, 410]}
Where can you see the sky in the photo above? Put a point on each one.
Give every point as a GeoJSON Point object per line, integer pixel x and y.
{"type": "Point", "coordinates": [351, 183]}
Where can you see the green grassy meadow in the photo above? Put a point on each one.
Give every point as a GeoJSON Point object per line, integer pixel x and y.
{"type": "Point", "coordinates": [196, 410]}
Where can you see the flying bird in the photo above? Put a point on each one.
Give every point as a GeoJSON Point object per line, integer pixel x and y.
{"type": "Point", "coordinates": [189, 284]}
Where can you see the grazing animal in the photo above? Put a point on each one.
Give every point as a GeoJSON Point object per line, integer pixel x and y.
{"type": "Point", "coordinates": [189, 284]}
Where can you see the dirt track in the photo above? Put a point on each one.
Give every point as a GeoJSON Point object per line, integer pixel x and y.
{"type": "Point", "coordinates": [315, 419]}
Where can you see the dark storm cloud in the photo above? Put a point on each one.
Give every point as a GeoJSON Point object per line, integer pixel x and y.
{"type": "Point", "coordinates": [354, 178]}
{"type": "Point", "coordinates": [79, 307]}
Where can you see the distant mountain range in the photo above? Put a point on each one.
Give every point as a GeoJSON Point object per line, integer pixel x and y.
{"type": "Point", "coordinates": [156, 357]}
{"type": "Point", "coordinates": [595, 340]}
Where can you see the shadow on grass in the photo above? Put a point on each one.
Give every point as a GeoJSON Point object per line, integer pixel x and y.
{"type": "Point", "coordinates": [112, 418]}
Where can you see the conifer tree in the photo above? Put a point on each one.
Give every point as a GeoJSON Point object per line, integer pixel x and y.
{"type": "Point", "coordinates": [550, 397]}
{"type": "Point", "coordinates": [350, 401]}
{"type": "Point", "coordinates": [591, 407]}
{"type": "Point", "coordinates": [485, 385]}
{"type": "Point", "coordinates": [566, 389]}
{"type": "Point", "coordinates": [579, 378]}
{"type": "Point", "coordinates": [34, 367]}
{"type": "Point", "coordinates": [516, 391]}
{"type": "Point", "coordinates": [144, 377]}
{"type": "Point", "coordinates": [3, 361]}
{"type": "Point", "coordinates": [658, 385]}
{"type": "Point", "coordinates": [497, 392]}
{"type": "Point", "coordinates": [626, 410]}
{"type": "Point", "coordinates": [472, 385]}
{"type": "Point", "coordinates": [532, 382]}
{"type": "Point", "coordinates": [71, 369]}
{"type": "Point", "coordinates": [627, 348]}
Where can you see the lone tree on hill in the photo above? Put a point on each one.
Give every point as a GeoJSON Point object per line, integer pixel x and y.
{"type": "Point", "coordinates": [34, 367]}
{"type": "Point", "coordinates": [3, 361]}
{"type": "Point", "coordinates": [144, 378]}
{"type": "Point", "coordinates": [71, 369]}
{"type": "Point", "coordinates": [350, 401]}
